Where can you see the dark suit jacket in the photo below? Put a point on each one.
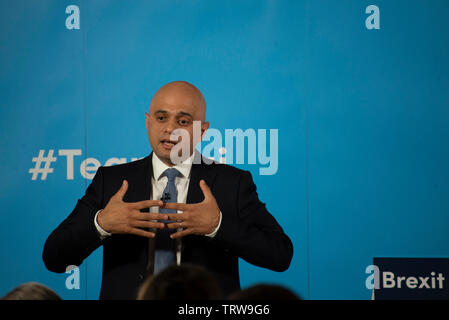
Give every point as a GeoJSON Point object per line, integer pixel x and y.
{"type": "Point", "coordinates": [247, 229]}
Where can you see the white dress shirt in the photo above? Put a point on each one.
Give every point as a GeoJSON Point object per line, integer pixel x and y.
{"type": "Point", "coordinates": [158, 183]}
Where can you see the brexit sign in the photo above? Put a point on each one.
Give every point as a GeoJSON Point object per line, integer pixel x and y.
{"type": "Point", "coordinates": [408, 278]}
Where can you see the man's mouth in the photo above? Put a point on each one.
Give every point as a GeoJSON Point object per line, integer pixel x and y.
{"type": "Point", "coordinates": [168, 144]}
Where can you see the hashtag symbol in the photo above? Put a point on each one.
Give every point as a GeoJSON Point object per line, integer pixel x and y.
{"type": "Point", "coordinates": [46, 169]}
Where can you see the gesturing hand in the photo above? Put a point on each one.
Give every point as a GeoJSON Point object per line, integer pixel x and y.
{"type": "Point", "coordinates": [198, 218]}
{"type": "Point", "coordinates": [125, 217]}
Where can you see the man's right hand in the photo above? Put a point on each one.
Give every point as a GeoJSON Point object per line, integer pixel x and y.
{"type": "Point", "coordinates": [119, 217]}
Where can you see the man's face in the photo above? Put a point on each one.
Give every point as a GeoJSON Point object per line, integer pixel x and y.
{"type": "Point", "coordinates": [174, 106]}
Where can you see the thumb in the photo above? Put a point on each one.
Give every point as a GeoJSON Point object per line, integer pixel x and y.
{"type": "Point", "coordinates": [206, 190]}
{"type": "Point", "coordinates": [122, 191]}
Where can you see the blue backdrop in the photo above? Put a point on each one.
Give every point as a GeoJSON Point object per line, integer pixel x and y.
{"type": "Point", "coordinates": [360, 99]}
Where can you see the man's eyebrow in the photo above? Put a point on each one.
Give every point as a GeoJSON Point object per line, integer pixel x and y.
{"type": "Point", "coordinates": [182, 113]}
{"type": "Point", "coordinates": [185, 114]}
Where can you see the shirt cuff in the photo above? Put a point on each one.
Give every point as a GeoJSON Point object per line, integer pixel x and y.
{"type": "Point", "coordinates": [103, 234]}
{"type": "Point", "coordinates": [211, 235]}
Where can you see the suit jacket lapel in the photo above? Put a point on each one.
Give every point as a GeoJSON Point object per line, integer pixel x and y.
{"type": "Point", "coordinates": [140, 183]}
{"type": "Point", "coordinates": [195, 194]}
{"type": "Point", "coordinates": [199, 171]}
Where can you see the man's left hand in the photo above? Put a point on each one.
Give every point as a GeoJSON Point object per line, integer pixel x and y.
{"type": "Point", "coordinates": [197, 218]}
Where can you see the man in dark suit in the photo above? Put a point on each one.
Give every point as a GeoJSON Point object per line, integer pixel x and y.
{"type": "Point", "coordinates": [215, 218]}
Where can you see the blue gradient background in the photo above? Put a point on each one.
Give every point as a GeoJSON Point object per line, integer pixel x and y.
{"type": "Point", "coordinates": [363, 120]}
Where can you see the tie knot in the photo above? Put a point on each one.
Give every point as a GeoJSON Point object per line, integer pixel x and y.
{"type": "Point", "coordinates": [171, 174]}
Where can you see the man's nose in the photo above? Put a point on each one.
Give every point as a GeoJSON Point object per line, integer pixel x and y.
{"type": "Point", "coordinates": [170, 126]}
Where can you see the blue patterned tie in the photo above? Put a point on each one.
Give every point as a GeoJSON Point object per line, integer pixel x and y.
{"type": "Point", "coordinates": [165, 252]}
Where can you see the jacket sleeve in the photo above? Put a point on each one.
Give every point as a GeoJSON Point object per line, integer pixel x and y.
{"type": "Point", "coordinates": [252, 233]}
{"type": "Point", "coordinates": [76, 237]}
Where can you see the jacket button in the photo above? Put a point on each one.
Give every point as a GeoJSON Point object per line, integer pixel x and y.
{"type": "Point", "coordinates": [140, 276]}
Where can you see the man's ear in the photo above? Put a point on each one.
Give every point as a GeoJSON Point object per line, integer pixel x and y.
{"type": "Point", "coordinates": [147, 119]}
{"type": "Point", "coordinates": [204, 127]}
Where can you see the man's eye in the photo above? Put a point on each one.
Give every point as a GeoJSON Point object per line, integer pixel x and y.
{"type": "Point", "coordinates": [183, 122]}
{"type": "Point", "coordinates": [160, 118]}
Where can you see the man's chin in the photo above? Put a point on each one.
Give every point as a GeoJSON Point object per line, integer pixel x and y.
{"type": "Point", "coordinates": [164, 156]}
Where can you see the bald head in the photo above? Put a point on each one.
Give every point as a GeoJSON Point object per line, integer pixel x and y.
{"type": "Point", "coordinates": [176, 105]}
{"type": "Point", "coordinates": [174, 91]}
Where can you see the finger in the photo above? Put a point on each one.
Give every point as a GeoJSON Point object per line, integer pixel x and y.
{"type": "Point", "coordinates": [181, 233]}
{"type": "Point", "coordinates": [177, 225]}
{"type": "Point", "coordinates": [177, 216]}
{"type": "Point", "coordinates": [147, 204]}
{"type": "Point", "coordinates": [148, 216]}
{"type": "Point", "coordinates": [122, 191]}
{"type": "Point", "coordinates": [175, 206]}
{"type": "Point", "coordinates": [206, 190]}
{"type": "Point", "coordinates": [147, 224]}
{"type": "Point", "coordinates": [142, 233]}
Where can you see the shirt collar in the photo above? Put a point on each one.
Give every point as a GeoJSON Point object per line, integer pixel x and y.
{"type": "Point", "coordinates": [159, 167]}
